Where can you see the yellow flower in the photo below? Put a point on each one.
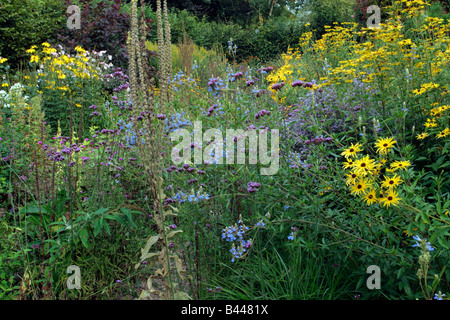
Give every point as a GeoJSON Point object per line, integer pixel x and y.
{"type": "Point", "coordinates": [430, 123]}
{"type": "Point", "coordinates": [79, 49]}
{"type": "Point", "coordinates": [46, 44]}
{"type": "Point", "coordinates": [78, 105]}
{"type": "Point", "coordinates": [360, 186]}
{"type": "Point", "coordinates": [348, 165]}
{"type": "Point", "coordinates": [351, 178]}
{"type": "Point", "coordinates": [2, 60]}
{"type": "Point", "coordinates": [5, 84]}
{"type": "Point", "coordinates": [371, 197]}
{"type": "Point", "coordinates": [391, 182]}
{"type": "Point", "coordinates": [400, 165]}
{"type": "Point", "coordinates": [352, 150]}
{"type": "Point", "coordinates": [31, 50]}
{"type": "Point", "coordinates": [383, 145]}
{"type": "Point", "coordinates": [391, 199]}
{"type": "Point", "coordinates": [443, 133]}
{"type": "Point", "coordinates": [422, 135]}
{"type": "Point", "coordinates": [365, 165]}
{"type": "Point", "coordinates": [34, 58]}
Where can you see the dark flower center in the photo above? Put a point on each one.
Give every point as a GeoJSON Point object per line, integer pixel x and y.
{"type": "Point", "coordinates": [391, 182]}
{"type": "Point", "coordinates": [390, 198]}
{"type": "Point", "coordinates": [363, 164]}
{"type": "Point", "coordinates": [352, 150]}
{"type": "Point", "coordinates": [385, 145]}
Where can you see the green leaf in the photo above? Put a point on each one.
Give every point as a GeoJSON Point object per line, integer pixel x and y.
{"type": "Point", "coordinates": [128, 215]}
{"type": "Point", "coordinates": [100, 211]}
{"type": "Point", "coordinates": [32, 209]}
{"type": "Point", "coordinates": [84, 236]}
{"type": "Point", "coordinates": [98, 226]}
{"type": "Point", "coordinates": [443, 242]}
{"type": "Point", "coordinates": [106, 226]}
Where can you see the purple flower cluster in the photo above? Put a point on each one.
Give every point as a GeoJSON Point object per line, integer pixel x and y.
{"type": "Point", "coordinates": [300, 83]}
{"type": "Point", "coordinates": [211, 110]}
{"type": "Point", "coordinates": [266, 69]}
{"type": "Point", "coordinates": [122, 87]}
{"type": "Point", "coordinates": [236, 76]}
{"type": "Point", "coordinates": [278, 86]}
{"type": "Point", "coordinates": [212, 82]}
{"type": "Point", "coordinates": [253, 186]}
{"type": "Point", "coordinates": [262, 113]}
{"type": "Point", "coordinates": [249, 83]}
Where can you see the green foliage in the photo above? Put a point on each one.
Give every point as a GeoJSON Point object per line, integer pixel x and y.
{"type": "Point", "coordinates": [27, 22]}
{"type": "Point", "coordinates": [327, 12]}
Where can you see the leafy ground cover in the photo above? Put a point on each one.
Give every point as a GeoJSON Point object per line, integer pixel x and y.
{"type": "Point", "coordinates": [355, 171]}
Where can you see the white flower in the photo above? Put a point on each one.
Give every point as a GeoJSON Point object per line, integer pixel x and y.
{"type": "Point", "coordinates": [109, 57]}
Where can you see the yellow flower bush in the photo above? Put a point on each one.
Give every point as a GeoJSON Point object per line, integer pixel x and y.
{"type": "Point", "coordinates": [365, 178]}
{"type": "Point", "coordinates": [420, 53]}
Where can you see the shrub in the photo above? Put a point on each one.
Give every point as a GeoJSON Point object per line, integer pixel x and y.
{"type": "Point", "coordinates": [27, 22]}
{"type": "Point", "coordinates": [104, 27]}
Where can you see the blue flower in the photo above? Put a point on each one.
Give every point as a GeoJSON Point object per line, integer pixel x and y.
{"type": "Point", "coordinates": [417, 244]}
{"type": "Point", "coordinates": [438, 296]}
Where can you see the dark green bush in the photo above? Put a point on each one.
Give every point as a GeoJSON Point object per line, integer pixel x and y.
{"type": "Point", "coordinates": [24, 23]}
{"type": "Point", "coordinates": [104, 26]}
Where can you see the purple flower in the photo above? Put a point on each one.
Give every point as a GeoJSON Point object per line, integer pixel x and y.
{"type": "Point", "coordinates": [297, 83]}
{"type": "Point", "coordinates": [278, 86]}
{"type": "Point", "coordinates": [253, 187]}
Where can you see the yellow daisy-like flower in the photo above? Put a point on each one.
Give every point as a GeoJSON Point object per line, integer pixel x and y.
{"type": "Point", "coordinates": [360, 187]}
{"type": "Point", "coordinates": [349, 164]}
{"type": "Point", "coordinates": [384, 144]}
{"type": "Point", "coordinates": [391, 199]}
{"type": "Point", "coordinates": [351, 178]}
{"type": "Point", "coordinates": [31, 50]}
{"type": "Point", "coordinates": [79, 49]}
{"type": "Point", "coordinates": [443, 133]}
{"type": "Point", "coordinates": [391, 182]}
{"type": "Point", "coordinates": [2, 60]}
{"type": "Point", "coordinates": [364, 165]}
{"type": "Point", "coordinates": [77, 105]}
{"type": "Point", "coordinates": [46, 44]}
{"type": "Point", "coordinates": [352, 150]}
{"type": "Point", "coordinates": [430, 123]}
{"type": "Point", "coordinates": [34, 58]}
{"type": "Point", "coordinates": [371, 197]}
{"type": "Point", "coordinates": [422, 135]}
{"type": "Point", "coordinates": [5, 84]}
{"type": "Point", "coordinates": [400, 165]}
